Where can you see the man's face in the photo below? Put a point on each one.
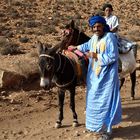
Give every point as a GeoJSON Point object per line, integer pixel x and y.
{"type": "Point", "coordinates": [108, 11]}
{"type": "Point", "coordinates": [98, 29]}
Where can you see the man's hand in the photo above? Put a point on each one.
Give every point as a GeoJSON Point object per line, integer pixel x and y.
{"type": "Point", "coordinates": [71, 47]}
{"type": "Point", "coordinates": [91, 54]}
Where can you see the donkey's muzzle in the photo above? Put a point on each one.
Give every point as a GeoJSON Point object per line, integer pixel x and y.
{"type": "Point", "coordinates": [45, 83]}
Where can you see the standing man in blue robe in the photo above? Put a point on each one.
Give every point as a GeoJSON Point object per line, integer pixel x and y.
{"type": "Point", "coordinates": [103, 104]}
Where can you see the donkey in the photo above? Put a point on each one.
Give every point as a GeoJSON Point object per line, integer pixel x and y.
{"type": "Point", "coordinates": [59, 68]}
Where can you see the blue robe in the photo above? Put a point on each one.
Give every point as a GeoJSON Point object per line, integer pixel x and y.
{"type": "Point", "coordinates": [103, 104]}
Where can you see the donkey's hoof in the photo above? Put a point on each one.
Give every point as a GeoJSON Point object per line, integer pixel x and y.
{"type": "Point", "coordinates": [132, 98]}
{"type": "Point", "coordinates": [75, 124]}
{"type": "Point", "coordinates": [58, 124]}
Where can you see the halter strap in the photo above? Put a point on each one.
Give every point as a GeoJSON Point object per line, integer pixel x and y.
{"type": "Point", "coordinates": [59, 63]}
{"type": "Point", "coordinates": [79, 32]}
{"type": "Point", "coordinates": [67, 84]}
{"type": "Point", "coordinates": [70, 39]}
{"type": "Point", "coordinates": [46, 55]}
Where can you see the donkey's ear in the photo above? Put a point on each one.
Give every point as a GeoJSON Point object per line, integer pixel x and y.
{"type": "Point", "coordinates": [39, 46]}
{"type": "Point", "coordinates": [55, 49]}
{"type": "Point", "coordinates": [47, 47]}
{"type": "Point", "coordinates": [72, 24]}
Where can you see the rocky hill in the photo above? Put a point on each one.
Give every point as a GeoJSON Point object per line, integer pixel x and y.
{"type": "Point", "coordinates": [28, 20]}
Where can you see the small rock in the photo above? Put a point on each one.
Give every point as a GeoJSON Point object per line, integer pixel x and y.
{"type": "Point", "coordinates": [84, 131]}
{"type": "Point", "coordinates": [49, 123]}
{"type": "Point", "coordinates": [27, 105]}
{"type": "Point", "coordinates": [3, 93]}
{"type": "Point", "coordinates": [13, 109]}
{"type": "Point", "coordinates": [24, 39]}
{"type": "Point", "coordinates": [12, 101]}
{"type": "Point", "coordinates": [58, 137]}
{"type": "Point", "coordinates": [66, 130]}
{"type": "Point", "coordinates": [76, 134]}
{"type": "Point", "coordinates": [38, 98]}
{"type": "Point", "coordinates": [50, 18]}
{"type": "Point", "coordinates": [20, 132]}
{"type": "Point", "coordinates": [26, 132]}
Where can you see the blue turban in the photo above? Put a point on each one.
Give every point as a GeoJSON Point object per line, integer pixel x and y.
{"type": "Point", "coordinates": [98, 19]}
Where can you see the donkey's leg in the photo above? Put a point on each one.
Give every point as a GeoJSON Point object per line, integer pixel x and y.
{"type": "Point", "coordinates": [133, 83]}
{"type": "Point", "coordinates": [72, 106]}
{"type": "Point", "coordinates": [61, 96]}
{"type": "Point", "coordinates": [121, 82]}
{"type": "Point", "coordinates": [133, 75]}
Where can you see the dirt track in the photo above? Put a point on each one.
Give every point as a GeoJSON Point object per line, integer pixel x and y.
{"type": "Point", "coordinates": [31, 115]}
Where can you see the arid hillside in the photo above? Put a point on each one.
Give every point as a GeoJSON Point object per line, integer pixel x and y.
{"type": "Point", "coordinates": [23, 22]}
{"type": "Point", "coordinates": [29, 20]}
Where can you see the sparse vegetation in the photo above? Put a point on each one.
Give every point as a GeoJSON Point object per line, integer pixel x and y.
{"type": "Point", "coordinates": [48, 29]}
{"type": "Point", "coordinates": [7, 48]}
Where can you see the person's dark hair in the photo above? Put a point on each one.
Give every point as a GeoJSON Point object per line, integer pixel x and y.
{"type": "Point", "coordinates": [107, 5]}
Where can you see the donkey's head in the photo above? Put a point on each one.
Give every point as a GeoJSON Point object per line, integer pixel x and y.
{"type": "Point", "coordinates": [46, 63]}
{"type": "Point", "coordinates": [70, 34]}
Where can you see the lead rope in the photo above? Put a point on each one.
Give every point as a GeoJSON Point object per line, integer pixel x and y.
{"type": "Point", "coordinates": [65, 85]}
{"type": "Point", "coordinates": [59, 63]}
{"type": "Point", "coordinates": [69, 41]}
{"type": "Point", "coordinates": [64, 65]}
{"type": "Point", "coordinates": [67, 44]}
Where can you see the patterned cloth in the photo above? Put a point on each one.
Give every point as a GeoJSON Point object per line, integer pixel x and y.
{"type": "Point", "coordinates": [125, 45]}
{"type": "Point", "coordinates": [80, 63]}
{"type": "Point", "coordinates": [103, 105]}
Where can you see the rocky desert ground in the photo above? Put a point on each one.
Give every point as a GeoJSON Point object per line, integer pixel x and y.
{"type": "Point", "coordinates": [28, 112]}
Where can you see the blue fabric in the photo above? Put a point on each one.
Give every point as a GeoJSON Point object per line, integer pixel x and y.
{"type": "Point", "coordinates": [99, 19]}
{"type": "Point", "coordinates": [103, 104]}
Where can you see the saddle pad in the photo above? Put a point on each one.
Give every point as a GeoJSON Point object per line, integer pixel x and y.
{"type": "Point", "coordinates": [75, 59]}
{"type": "Point", "coordinates": [71, 55]}
{"type": "Point", "coordinates": [125, 45]}
{"type": "Point", "coordinates": [75, 51]}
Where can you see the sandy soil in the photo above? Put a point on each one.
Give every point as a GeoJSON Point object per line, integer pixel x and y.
{"type": "Point", "coordinates": [31, 115]}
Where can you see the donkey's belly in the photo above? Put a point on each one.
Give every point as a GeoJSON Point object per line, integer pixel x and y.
{"type": "Point", "coordinates": [128, 63]}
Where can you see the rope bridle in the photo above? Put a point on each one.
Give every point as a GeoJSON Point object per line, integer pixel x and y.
{"type": "Point", "coordinates": [46, 55]}
{"type": "Point", "coordinates": [71, 37]}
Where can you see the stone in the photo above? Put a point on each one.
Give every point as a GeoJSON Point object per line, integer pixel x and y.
{"type": "Point", "coordinates": [9, 79]}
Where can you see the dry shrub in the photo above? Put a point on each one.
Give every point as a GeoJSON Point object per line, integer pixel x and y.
{"type": "Point", "coordinates": [48, 29]}
{"type": "Point", "coordinates": [17, 3]}
{"type": "Point", "coordinates": [9, 48]}
{"type": "Point", "coordinates": [31, 23]}
{"type": "Point", "coordinates": [3, 41]}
